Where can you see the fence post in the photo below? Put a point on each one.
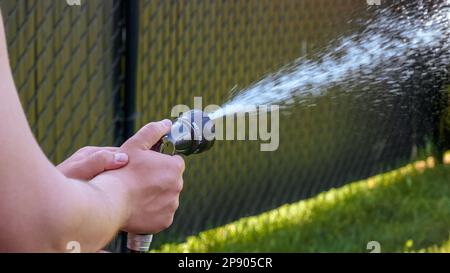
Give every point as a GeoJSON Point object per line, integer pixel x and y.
{"type": "Point", "coordinates": [130, 38]}
{"type": "Point", "coordinates": [131, 53]}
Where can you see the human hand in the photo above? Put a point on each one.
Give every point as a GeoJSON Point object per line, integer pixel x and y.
{"type": "Point", "coordinates": [153, 181]}
{"type": "Point", "coordinates": [88, 162]}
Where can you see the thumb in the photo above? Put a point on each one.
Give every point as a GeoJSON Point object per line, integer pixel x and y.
{"type": "Point", "coordinates": [105, 160]}
{"type": "Point", "coordinates": [149, 135]}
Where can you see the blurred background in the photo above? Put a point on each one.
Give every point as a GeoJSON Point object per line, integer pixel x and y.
{"type": "Point", "coordinates": [92, 74]}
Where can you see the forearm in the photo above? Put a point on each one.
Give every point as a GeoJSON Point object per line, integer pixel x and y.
{"type": "Point", "coordinates": [52, 213]}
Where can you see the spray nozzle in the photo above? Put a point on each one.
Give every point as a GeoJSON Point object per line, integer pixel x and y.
{"type": "Point", "coordinates": [192, 133]}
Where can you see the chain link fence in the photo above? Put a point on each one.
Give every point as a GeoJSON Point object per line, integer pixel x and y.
{"type": "Point", "coordinates": [66, 65]}
{"type": "Point", "coordinates": [69, 65]}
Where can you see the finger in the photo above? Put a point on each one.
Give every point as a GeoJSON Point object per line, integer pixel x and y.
{"type": "Point", "coordinates": [104, 160]}
{"type": "Point", "coordinates": [150, 134]}
{"type": "Point", "coordinates": [111, 149]}
{"type": "Point", "coordinates": [93, 149]}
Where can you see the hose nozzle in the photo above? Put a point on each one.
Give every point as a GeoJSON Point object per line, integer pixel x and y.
{"type": "Point", "coordinates": [192, 133]}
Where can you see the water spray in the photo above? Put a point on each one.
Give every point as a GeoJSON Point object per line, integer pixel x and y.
{"type": "Point", "coordinates": [192, 133]}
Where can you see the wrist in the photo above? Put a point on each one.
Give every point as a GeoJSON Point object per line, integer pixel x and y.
{"type": "Point", "coordinates": [115, 195]}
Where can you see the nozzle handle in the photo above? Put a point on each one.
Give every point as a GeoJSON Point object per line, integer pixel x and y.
{"type": "Point", "coordinates": [139, 243]}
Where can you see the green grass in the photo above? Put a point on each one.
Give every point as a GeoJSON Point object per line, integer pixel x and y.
{"type": "Point", "coordinates": [405, 210]}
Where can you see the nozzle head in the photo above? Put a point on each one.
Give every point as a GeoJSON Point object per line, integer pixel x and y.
{"type": "Point", "coordinates": [192, 133]}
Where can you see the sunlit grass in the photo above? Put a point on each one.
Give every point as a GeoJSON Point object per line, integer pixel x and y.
{"type": "Point", "coordinates": [407, 209]}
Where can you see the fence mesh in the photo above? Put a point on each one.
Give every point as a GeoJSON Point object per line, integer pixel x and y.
{"type": "Point", "coordinates": [65, 60]}
{"type": "Point", "coordinates": [67, 63]}
{"type": "Point", "coordinates": [207, 48]}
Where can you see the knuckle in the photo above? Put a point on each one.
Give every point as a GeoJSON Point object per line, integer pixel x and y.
{"type": "Point", "coordinates": [153, 128]}
{"type": "Point", "coordinates": [179, 163]}
{"type": "Point", "coordinates": [168, 222]}
{"type": "Point", "coordinates": [175, 205]}
{"type": "Point", "coordinates": [86, 149]}
{"type": "Point", "coordinates": [102, 156]}
{"type": "Point", "coordinates": [149, 126]}
{"type": "Point", "coordinates": [177, 185]}
{"type": "Point", "coordinates": [151, 132]}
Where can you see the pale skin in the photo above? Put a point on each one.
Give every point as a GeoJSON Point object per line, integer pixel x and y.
{"type": "Point", "coordinates": [88, 162]}
{"type": "Point", "coordinates": [89, 197]}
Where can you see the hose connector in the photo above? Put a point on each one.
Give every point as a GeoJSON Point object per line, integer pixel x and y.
{"type": "Point", "coordinates": [139, 242]}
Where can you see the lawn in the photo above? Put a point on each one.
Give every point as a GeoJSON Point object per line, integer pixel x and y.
{"type": "Point", "coordinates": [407, 209]}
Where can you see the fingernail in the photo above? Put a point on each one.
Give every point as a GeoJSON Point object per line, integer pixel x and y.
{"type": "Point", "coordinates": [167, 122]}
{"type": "Point", "coordinates": [121, 157]}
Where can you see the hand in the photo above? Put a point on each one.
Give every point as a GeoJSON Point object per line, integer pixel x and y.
{"type": "Point", "coordinates": [88, 162]}
{"type": "Point", "coordinates": [153, 181]}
